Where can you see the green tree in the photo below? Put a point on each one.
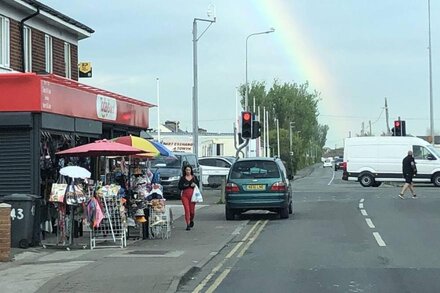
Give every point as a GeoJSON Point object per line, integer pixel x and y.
{"type": "Point", "coordinates": [295, 107]}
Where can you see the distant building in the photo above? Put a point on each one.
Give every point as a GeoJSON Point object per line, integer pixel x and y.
{"type": "Point", "coordinates": [210, 144]}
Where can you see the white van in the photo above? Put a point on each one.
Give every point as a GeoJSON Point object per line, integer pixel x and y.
{"type": "Point", "coordinates": [372, 160]}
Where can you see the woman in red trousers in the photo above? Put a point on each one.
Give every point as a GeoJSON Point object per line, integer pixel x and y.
{"type": "Point", "coordinates": [186, 184]}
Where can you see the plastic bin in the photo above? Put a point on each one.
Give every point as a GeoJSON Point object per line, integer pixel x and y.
{"type": "Point", "coordinates": [22, 218]}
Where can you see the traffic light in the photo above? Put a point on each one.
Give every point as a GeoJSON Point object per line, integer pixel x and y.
{"type": "Point", "coordinates": [403, 127]}
{"type": "Point", "coordinates": [246, 125]}
{"type": "Point", "coordinates": [397, 128]}
{"type": "Point", "coordinates": [256, 129]}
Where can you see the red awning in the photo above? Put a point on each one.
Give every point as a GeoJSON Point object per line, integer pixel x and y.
{"type": "Point", "coordinates": [28, 92]}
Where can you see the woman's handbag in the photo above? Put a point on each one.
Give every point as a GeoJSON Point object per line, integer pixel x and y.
{"type": "Point", "coordinates": [71, 198]}
{"type": "Point", "coordinates": [58, 191]}
{"type": "Point", "coordinates": [197, 195]}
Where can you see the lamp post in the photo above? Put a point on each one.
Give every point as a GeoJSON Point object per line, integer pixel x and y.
{"type": "Point", "coordinates": [431, 110]}
{"type": "Point", "coordinates": [195, 86]}
{"type": "Point", "coordinates": [271, 30]}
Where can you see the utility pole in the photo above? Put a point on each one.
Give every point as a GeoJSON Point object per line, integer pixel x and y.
{"type": "Point", "coordinates": [369, 121]}
{"type": "Point", "coordinates": [363, 129]}
{"type": "Point", "coordinates": [431, 107]}
{"type": "Point", "coordinates": [387, 117]}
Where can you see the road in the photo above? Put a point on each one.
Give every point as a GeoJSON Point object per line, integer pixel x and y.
{"type": "Point", "coordinates": [342, 238]}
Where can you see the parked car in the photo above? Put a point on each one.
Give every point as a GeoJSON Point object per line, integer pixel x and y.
{"type": "Point", "coordinates": [327, 163]}
{"type": "Point", "coordinates": [171, 170]}
{"type": "Point", "coordinates": [258, 184]}
{"type": "Point", "coordinates": [214, 169]}
{"type": "Point", "coordinates": [338, 162]}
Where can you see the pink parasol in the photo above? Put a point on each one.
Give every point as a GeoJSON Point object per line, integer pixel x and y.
{"type": "Point", "coordinates": [100, 148]}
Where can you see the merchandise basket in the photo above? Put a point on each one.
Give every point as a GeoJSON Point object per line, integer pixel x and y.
{"type": "Point", "coordinates": [159, 222]}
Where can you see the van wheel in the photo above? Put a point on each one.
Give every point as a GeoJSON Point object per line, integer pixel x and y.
{"type": "Point", "coordinates": [436, 179]}
{"type": "Point", "coordinates": [376, 184]}
{"type": "Point", "coordinates": [366, 180]}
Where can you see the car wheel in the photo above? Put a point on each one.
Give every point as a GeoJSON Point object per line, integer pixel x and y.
{"type": "Point", "coordinates": [291, 208]}
{"type": "Point", "coordinates": [284, 213]}
{"type": "Point", "coordinates": [436, 179]}
{"type": "Point", "coordinates": [366, 180]}
{"type": "Point", "coordinates": [229, 213]}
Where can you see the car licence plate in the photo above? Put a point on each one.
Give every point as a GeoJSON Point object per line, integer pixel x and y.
{"type": "Point", "coordinates": [256, 187]}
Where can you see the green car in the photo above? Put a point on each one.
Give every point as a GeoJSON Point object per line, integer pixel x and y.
{"type": "Point", "coordinates": [258, 184]}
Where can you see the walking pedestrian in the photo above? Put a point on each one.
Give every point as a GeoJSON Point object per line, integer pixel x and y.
{"type": "Point", "coordinates": [186, 184]}
{"type": "Point", "coordinates": [409, 171]}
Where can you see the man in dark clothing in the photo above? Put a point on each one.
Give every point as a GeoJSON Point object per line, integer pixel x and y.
{"type": "Point", "coordinates": [409, 170]}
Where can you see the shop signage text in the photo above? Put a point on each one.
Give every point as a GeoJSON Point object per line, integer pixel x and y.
{"type": "Point", "coordinates": [106, 108]}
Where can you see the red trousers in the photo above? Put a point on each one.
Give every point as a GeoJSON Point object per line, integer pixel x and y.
{"type": "Point", "coordinates": [188, 206]}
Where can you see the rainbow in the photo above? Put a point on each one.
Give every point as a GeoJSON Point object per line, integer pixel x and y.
{"type": "Point", "coordinates": [303, 59]}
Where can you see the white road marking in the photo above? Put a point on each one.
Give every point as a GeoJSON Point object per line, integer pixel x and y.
{"type": "Point", "coordinates": [379, 239]}
{"type": "Point", "coordinates": [370, 223]}
{"type": "Point", "coordinates": [361, 205]}
{"type": "Point", "coordinates": [364, 213]}
{"type": "Point", "coordinates": [362, 200]}
{"type": "Point", "coordinates": [332, 178]}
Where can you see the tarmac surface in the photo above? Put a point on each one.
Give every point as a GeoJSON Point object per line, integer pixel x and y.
{"type": "Point", "coordinates": [158, 265]}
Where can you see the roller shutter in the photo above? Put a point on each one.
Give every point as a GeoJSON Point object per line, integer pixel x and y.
{"type": "Point", "coordinates": [15, 161]}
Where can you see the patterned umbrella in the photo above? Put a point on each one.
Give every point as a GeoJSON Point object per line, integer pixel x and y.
{"type": "Point", "coordinates": [151, 148]}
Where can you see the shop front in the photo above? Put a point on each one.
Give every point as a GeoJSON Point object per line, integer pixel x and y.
{"type": "Point", "coordinates": [41, 115]}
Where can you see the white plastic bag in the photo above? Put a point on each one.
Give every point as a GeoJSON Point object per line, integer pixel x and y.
{"type": "Point", "coordinates": [197, 195]}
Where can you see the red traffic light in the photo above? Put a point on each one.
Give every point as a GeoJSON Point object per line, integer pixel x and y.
{"type": "Point", "coordinates": [246, 116]}
{"type": "Point", "coordinates": [397, 123]}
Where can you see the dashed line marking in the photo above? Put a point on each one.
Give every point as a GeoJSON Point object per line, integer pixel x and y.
{"type": "Point", "coordinates": [362, 200]}
{"type": "Point", "coordinates": [379, 239]}
{"type": "Point", "coordinates": [370, 223]}
{"type": "Point", "coordinates": [364, 212]}
{"type": "Point", "coordinates": [361, 205]}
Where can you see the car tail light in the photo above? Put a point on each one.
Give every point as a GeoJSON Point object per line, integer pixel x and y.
{"type": "Point", "coordinates": [278, 186]}
{"type": "Point", "coordinates": [343, 166]}
{"type": "Point", "coordinates": [232, 187]}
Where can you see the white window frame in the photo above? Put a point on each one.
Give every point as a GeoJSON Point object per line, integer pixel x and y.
{"type": "Point", "coordinates": [4, 42]}
{"type": "Point", "coordinates": [48, 52]}
{"type": "Point", "coordinates": [27, 56]}
{"type": "Point", "coordinates": [67, 60]}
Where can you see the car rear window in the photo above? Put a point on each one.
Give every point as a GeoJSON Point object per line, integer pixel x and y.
{"type": "Point", "coordinates": [254, 169]}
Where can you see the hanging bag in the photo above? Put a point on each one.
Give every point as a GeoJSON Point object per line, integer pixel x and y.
{"type": "Point", "coordinates": [58, 190]}
{"type": "Point", "coordinates": [197, 195]}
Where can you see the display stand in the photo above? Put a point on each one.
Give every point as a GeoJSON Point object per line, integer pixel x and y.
{"type": "Point", "coordinates": [112, 227]}
{"type": "Point", "coordinates": [159, 223]}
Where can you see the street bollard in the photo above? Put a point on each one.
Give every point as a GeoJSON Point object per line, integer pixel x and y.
{"type": "Point", "coordinates": [5, 232]}
{"type": "Point", "coordinates": [222, 190]}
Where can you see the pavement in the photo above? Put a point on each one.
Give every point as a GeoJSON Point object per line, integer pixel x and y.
{"type": "Point", "coordinates": [158, 265]}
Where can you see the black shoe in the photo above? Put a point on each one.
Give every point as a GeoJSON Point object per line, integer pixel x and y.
{"type": "Point", "coordinates": [188, 228]}
{"type": "Point", "coordinates": [191, 224]}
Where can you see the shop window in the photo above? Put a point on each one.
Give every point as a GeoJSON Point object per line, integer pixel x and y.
{"type": "Point", "coordinates": [67, 60]}
{"type": "Point", "coordinates": [27, 39]}
{"type": "Point", "coordinates": [4, 41]}
{"type": "Point", "coordinates": [48, 53]}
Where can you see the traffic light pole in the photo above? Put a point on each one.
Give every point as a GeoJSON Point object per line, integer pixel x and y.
{"type": "Point", "coordinates": [240, 147]}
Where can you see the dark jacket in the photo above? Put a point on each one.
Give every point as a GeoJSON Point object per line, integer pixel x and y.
{"type": "Point", "coordinates": [409, 165]}
{"type": "Point", "coordinates": [183, 183]}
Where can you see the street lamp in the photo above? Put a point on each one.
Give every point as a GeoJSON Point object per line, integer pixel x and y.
{"type": "Point", "coordinates": [195, 86]}
{"type": "Point", "coordinates": [271, 30]}
{"type": "Point", "coordinates": [290, 137]}
{"type": "Point", "coordinates": [431, 108]}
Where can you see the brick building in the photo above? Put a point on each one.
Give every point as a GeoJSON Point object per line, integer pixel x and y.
{"type": "Point", "coordinates": [37, 38]}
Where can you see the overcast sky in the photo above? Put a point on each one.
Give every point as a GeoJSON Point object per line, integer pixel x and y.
{"type": "Point", "coordinates": [355, 53]}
